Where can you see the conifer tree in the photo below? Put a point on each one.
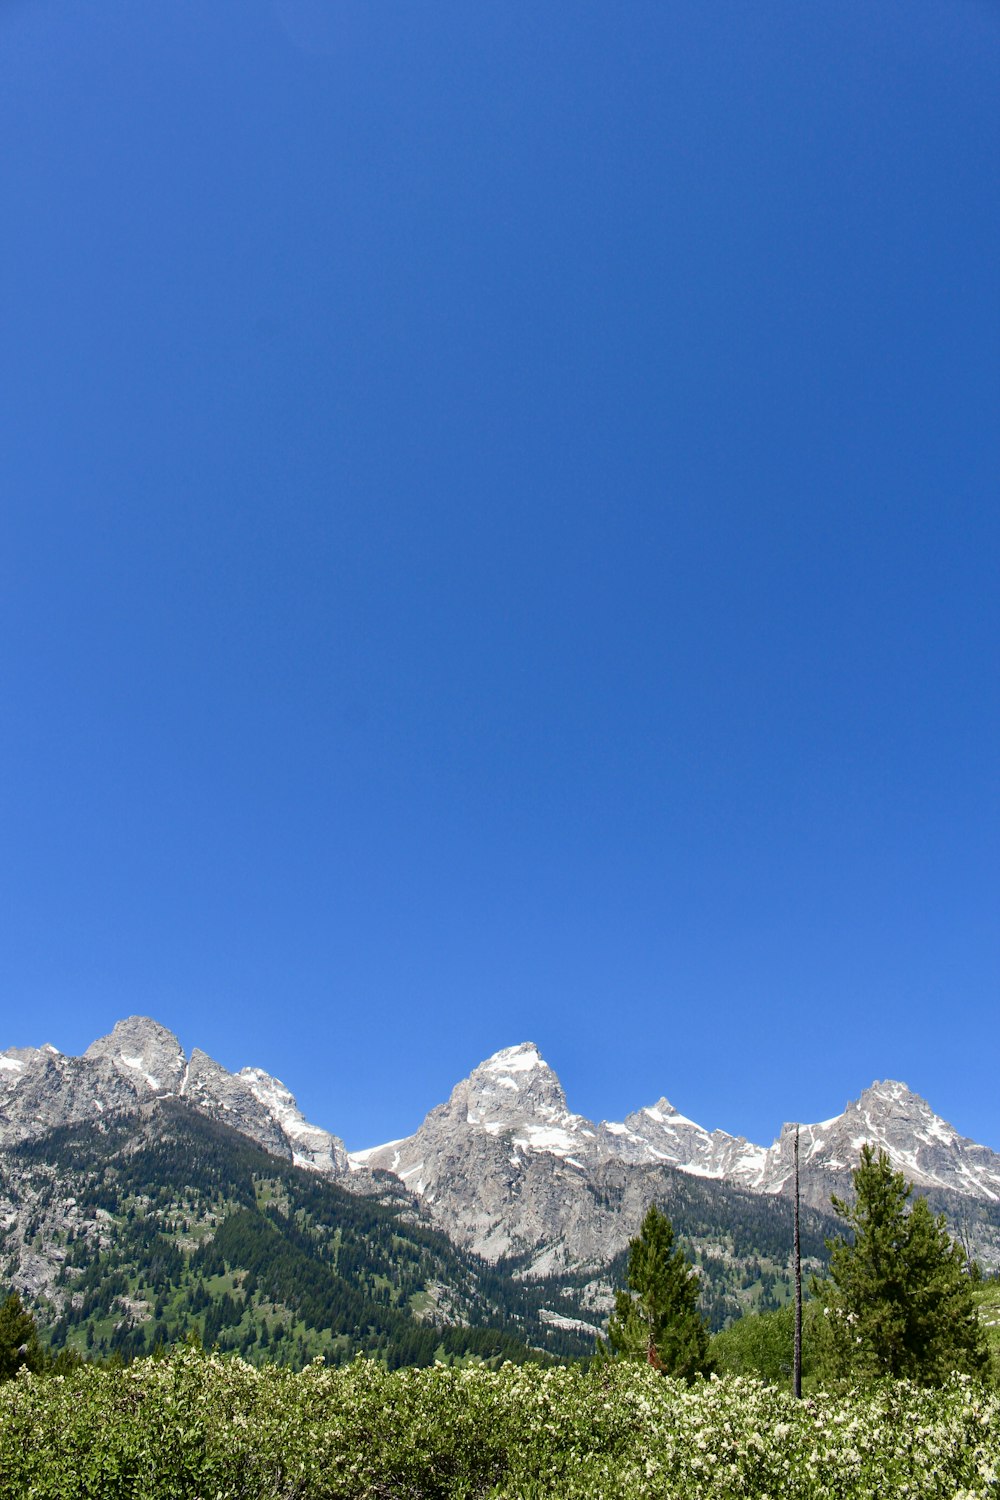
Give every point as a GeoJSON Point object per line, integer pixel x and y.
{"type": "Point", "coordinates": [899, 1297]}
{"type": "Point", "coordinates": [658, 1319]}
{"type": "Point", "coordinates": [18, 1339]}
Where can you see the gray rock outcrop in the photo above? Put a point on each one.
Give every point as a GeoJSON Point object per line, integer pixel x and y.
{"type": "Point", "coordinates": [42, 1089]}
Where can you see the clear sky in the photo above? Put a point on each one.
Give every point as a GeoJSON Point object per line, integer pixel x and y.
{"type": "Point", "coordinates": [499, 540]}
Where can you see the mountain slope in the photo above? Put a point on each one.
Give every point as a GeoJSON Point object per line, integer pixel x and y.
{"type": "Point", "coordinates": [148, 1224]}
{"type": "Point", "coordinates": [511, 1170]}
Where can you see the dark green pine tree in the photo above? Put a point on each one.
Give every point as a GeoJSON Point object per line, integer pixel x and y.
{"type": "Point", "coordinates": [899, 1298]}
{"type": "Point", "coordinates": [657, 1319]}
{"type": "Point", "coordinates": [18, 1339]}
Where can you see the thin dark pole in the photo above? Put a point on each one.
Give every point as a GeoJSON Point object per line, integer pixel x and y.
{"type": "Point", "coordinates": [797, 1366]}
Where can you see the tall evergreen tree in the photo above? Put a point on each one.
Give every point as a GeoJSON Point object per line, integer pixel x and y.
{"type": "Point", "coordinates": [899, 1297]}
{"type": "Point", "coordinates": [657, 1319]}
{"type": "Point", "coordinates": [18, 1339]}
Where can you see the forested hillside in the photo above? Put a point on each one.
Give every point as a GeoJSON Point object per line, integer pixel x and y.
{"type": "Point", "coordinates": [153, 1227]}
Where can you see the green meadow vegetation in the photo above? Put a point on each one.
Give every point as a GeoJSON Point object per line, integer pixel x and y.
{"type": "Point", "coordinates": [196, 1426]}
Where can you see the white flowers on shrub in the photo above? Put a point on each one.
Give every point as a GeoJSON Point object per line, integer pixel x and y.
{"type": "Point", "coordinates": [200, 1425]}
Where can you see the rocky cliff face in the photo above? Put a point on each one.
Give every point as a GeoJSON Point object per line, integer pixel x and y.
{"type": "Point", "coordinates": [926, 1149]}
{"type": "Point", "coordinates": [41, 1089]}
{"type": "Point", "coordinates": [508, 1169]}
{"type": "Point", "coordinates": [145, 1053]}
{"type": "Point", "coordinates": [660, 1133]}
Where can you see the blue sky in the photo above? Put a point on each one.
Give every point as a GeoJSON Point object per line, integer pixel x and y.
{"type": "Point", "coordinates": [499, 540]}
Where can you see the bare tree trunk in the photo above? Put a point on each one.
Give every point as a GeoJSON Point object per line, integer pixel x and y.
{"type": "Point", "coordinates": [797, 1359]}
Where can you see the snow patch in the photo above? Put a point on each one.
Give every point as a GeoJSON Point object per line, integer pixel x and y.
{"type": "Point", "coordinates": [941, 1131]}
{"type": "Point", "coordinates": [674, 1118]}
{"type": "Point", "coordinates": [542, 1138]}
{"type": "Point", "coordinates": [137, 1065]}
{"type": "Point", "coordinates": [418, 1186]}
{"type": "Point", "coordinates": [362, 1158]}
{"type": "Point", "coordinates": [521, 1059]}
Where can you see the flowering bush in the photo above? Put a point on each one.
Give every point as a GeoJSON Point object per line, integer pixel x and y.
{"type": "Point", "coordinates": [199, 1427]}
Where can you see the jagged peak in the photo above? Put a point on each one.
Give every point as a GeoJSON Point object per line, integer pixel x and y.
{"type": "Point", "coordinates": [890, 1090]}
{"type": "Point", "coordinates": [522, 1058]}
{"type": "Point", "coordinates": [140, 1046]}
{"type": "Point", "coordinates": [665, 1113]}
{"type": "Point", "coordinates": [131, 1030]}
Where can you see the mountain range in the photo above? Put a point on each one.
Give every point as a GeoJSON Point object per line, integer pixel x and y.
{"type": "Point", "coordinates": [503, 1167]}
{"type": "Point", "coordinates": [504, 1164]}
{"type": "Point", "coordinates": [511, 1113]}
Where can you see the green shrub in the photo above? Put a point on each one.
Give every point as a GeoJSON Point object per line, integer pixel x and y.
{"type": "Point", "coordinates": [195, 1426]}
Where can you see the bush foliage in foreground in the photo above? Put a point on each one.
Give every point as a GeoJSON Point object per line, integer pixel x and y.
{"type": "Point", "coordinates": [195, 1425]}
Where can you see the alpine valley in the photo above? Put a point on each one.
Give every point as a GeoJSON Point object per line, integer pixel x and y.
{"type": "Point", "coordinates": [146, 1194]}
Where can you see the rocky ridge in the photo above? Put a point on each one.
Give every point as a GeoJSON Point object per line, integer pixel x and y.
{"type": "Point", "coordinates": [41, 1089]}
{"type": "Point", "coordinates": [511, 1169]}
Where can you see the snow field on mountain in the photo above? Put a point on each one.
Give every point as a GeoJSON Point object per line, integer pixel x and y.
{"type": "Point", "coordinates": [197, 1424]}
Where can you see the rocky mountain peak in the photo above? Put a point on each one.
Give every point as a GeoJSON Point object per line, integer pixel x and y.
{"type": "Point", "coordinates": [889, 1094]}
{"type": "Point", "coordinates": [514, 1084]}
{"type": "Point", "coordinates": [890, 1117]}
{"type": "Point", "coordinates": [660, 1133]}
{"type": "Point", "coordinates": [889, 1114]}
{"type": "Point", "coordinates": [144, 1051]}
{"type": "Point", "coordinates": [664, 1113]}
{"type": "Point", "coordinates": [41, 1089]}
{"type": "Point", "coordinates": [311, 1146]}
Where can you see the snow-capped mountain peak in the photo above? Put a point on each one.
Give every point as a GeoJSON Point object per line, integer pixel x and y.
{"type": "Point", "coordinates": [514, 1098]}
{"type": "Point", "coordinates": [890, 1117]}
{"type": "Point", "coordinates": [663, 1111]}
{"type": "Point", "coordinates": [515, 1093]}
{"type": "Point", "coordinates": [312, 1147]}
{"type": "Point", "coordinates": [523, 1058]}
{"type": "Point", "coordinates": [513, 1085]}
{"type": "Point", "coordinates": [888, 1088]}
{"type": "Point", "coordinates": [660, 1133]}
